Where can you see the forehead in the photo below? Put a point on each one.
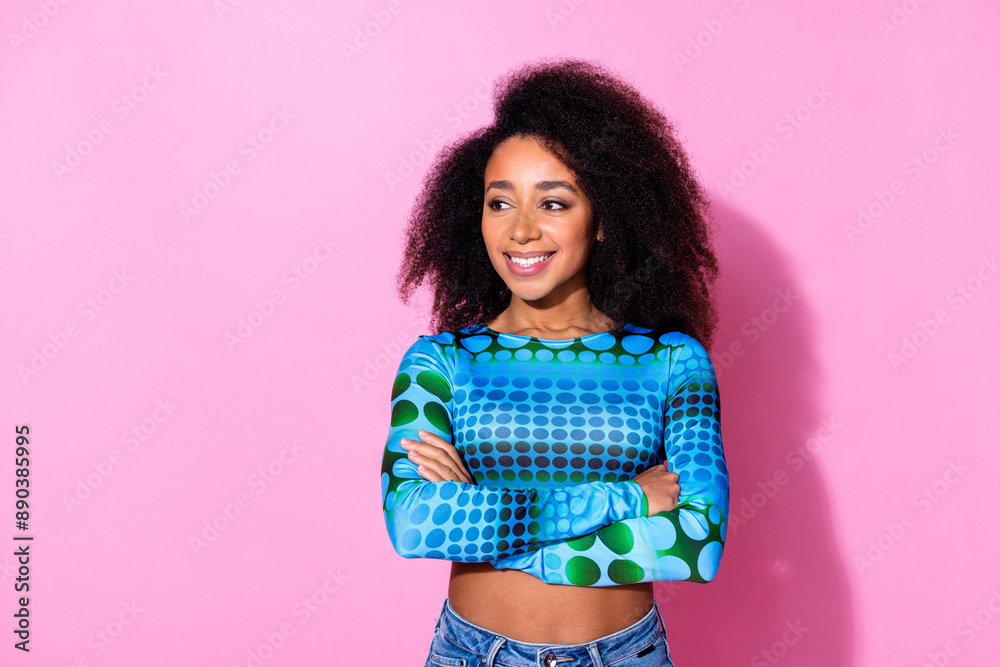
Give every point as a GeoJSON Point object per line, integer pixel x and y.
{"type": "Point", "coordinates": [526, 155]}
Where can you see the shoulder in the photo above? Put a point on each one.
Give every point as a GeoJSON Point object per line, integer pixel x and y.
{"type": "Point", "coordinates": [680, 351]}
{"type": "Point", "coordinates": [433, 351]}
{"type": "Point", "coordinates": [464, 342]}
{"type": "Point", "coordinates": [434, 345]}
{"type": "Point", "coordinates": [450, 338]}
{"type": "Point", "coordinates": [689, 360]}
{"type": "Point", "coordinates": [664, 340]}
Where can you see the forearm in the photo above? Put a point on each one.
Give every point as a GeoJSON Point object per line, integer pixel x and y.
{"type": "Point", "coordinates": [465, 522]}
{"type": "Point", "coordinates": [682, 544]}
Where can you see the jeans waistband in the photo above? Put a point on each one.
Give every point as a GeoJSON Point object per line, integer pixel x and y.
{"type": "Point", "coordinates": [601, 651]}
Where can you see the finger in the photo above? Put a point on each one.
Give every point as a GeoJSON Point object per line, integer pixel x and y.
{"type": "Point", "coordinates": [418, 462]}
{"type": "Point", "coordinates": [442, 451]}
{"type": "Point", "coordinates": [445, 446]}
{"type": "Point", "coordinates": [442, 465]}
{"type": "Point", "coordinates": [427, 459]}
{"type": "Point", "coordinates": [438, 447]}
{"type": "Point", "coordinates": [435, 471]}
{"type": "Point", "coordinates": [429, 474]}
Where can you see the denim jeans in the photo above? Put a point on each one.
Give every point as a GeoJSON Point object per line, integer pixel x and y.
{"type": "Point", "coordinates": [460, 643]}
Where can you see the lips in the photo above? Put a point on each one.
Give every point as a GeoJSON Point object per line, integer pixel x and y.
{"type": "Point", "coordinates": [529, 255]}
{"type": "Point", "coordinates": [534, 265]}
{"type": "Point", "coordinates": [530, 260]}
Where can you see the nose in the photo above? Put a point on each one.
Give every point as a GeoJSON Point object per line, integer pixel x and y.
{"type": "Point", "coordinates": [524, 228]}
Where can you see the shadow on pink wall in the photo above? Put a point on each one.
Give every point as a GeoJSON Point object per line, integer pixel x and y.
{"type": "Point", "coordinates": [781, 595]}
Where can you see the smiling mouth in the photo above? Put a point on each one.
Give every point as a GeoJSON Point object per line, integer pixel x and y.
{"type": "Point", "coordinates": [531, 261]}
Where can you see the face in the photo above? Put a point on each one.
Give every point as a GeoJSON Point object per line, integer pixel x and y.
{"type": "Point", "coordinates": [533, 207]}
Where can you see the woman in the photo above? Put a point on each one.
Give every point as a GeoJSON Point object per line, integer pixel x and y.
{"type": "Point", "coordinates": [559, 440]}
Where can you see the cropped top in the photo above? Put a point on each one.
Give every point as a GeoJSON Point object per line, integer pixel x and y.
{"type": "Point", "coordinates": [552, 432]}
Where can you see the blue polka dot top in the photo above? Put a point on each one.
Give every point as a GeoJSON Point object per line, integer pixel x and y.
{"type": "Point", "coordinates": [552, 433]}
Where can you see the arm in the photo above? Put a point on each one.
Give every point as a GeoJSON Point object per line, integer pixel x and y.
{"type": "Point", "coordinates": [682, 544]}
{"type": "Point", "coordinates": [465, 522]}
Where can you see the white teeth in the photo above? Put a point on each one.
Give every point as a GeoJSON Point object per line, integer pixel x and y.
{"type": "Point", "coordinates": [530, 261]}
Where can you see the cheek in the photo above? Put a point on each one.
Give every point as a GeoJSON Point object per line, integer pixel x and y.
{"type": "Point", "coordinates": [486, 239]}
{"type": "Point", "coordinates": [580, 244]}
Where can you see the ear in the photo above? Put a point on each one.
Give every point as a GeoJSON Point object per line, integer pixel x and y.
{"type": "Point", "coordinates": [600, 232]}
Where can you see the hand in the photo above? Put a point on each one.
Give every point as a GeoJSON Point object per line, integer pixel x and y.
{"type": "Point", "coordinates": [438, 458]}
{"type": "Point", "coordinates": [661, 488]}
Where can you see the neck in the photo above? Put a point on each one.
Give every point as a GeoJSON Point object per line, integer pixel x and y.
{"type": "Point", "coordinates": [566, 321]}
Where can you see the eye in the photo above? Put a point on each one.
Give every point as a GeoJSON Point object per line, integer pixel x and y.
{"type": "Point", "coordinates": [553, 201]}
{"type": "Point", "coordinates": [491, 206]}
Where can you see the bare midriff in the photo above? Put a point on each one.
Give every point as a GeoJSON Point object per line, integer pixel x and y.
{"type": "Point", "coordinates": [517, 605]}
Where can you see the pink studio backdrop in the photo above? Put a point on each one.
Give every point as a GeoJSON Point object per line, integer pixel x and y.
{"type": "Point", "coordinates": [201, 214]}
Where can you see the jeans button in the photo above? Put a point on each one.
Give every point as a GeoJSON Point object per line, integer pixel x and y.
{"type": "Point", "coordinates": [549, 659]}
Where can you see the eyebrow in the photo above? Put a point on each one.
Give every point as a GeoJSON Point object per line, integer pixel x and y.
{"type": "Point", "coordinates": [540, 185]}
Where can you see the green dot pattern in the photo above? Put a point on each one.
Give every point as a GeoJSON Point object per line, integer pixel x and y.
{"type": "Point", "coordinates": [551, 433]}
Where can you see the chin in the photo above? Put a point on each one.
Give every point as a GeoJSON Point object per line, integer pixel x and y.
{"type": "Point", "coordinates": [533, 295]}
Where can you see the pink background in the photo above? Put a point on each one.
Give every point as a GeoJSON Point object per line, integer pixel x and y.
{"type": "Point", "coordinates": [865, 483]}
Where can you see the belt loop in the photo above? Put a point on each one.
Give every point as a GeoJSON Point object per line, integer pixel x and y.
{"type": "Point", "coordinates": [440, 614]}
{"type": "Point", "coordinates": [595, 655]}
{"type": "Point", "coordinates": [491, 655]}
{"type": "Point", "coordinates": [659, 618]}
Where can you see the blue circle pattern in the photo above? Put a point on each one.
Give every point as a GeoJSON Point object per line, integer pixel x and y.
{"type": "Point", "coordinates": [538, 420]}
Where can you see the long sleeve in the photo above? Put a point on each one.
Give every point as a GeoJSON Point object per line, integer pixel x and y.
{"type": "Point", "coordinates": [682, 544]}
{"type": "Point", "coordinates": [467, 522]}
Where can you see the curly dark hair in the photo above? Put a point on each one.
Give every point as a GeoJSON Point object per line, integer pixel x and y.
{"type": "Point", "coordinates": [656, 266]}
